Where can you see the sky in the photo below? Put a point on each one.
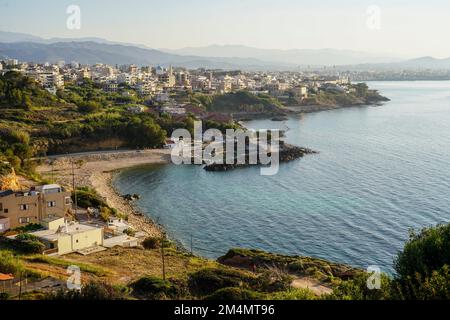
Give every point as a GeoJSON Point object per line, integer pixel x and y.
{"type": "Point", "coordinates": [402, 28]}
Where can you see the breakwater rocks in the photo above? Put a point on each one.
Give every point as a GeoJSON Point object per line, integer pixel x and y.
{"type": "Point", "coordinates": [287, 153]}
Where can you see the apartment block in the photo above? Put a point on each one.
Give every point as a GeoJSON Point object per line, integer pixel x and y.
{"type": "Point", "coordinates": [35, 205]}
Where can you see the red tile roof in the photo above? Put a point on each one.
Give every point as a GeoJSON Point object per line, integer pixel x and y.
{"type": "Point", "coordinates": [6, 277]}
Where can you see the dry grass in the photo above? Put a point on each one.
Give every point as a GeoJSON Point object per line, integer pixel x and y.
{"type": "Point", "coordinates": [121, 265]}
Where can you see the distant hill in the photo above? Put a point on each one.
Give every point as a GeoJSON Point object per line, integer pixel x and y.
{"type": "Point", "coordinates": [9, 37]}
{"type": "Point", "coordinates": [427, 63]}
{"type": "Point", "coordinates": [13, 37]}
{"type": "Point", "coordinates": [91, 52]}
{"type": "Point", "coordinates": [296, 56]}
{"type": "Point", "coordinates": [412, 64]}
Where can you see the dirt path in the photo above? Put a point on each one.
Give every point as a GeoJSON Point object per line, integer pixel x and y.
{"type": "Point", "coordinates": [311, 284]}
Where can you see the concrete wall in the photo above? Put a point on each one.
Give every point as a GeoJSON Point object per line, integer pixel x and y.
{"type": "Point", "coordinates": [54, 224]}
{"type": "Point", "coordinates": [65, 245]}
{"type": "Point", "coordinates": [79, 241]}
{"type": "Point", "coordinates": [4, 224]}
{"type": "Point", "coordinates": [87, 239]}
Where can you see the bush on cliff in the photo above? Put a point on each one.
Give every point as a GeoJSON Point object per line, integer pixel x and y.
{"type": "Point", "coordinates": [425, 252]}
{"type": "Point", "coordinates": [209, 280]}
{"type": "Point", "coordinates": [423, 265]}
{"type": "Point", "coordinates": [9, 263]}
{"type": "Point", "coordinates": [294, 294]}
{"type": "Point", "coordinates": [87, 197]}
{"type": "Point", "coordinates": [233, 293]}
{"type": "Point", "coordinates": [151, 243]}
{"type": "Point", "coordinates": [22, 246]}
{"type": "Point", "coordinates": [91, 291]}
{"type": "Point", "coordinates": [357, 289]}
{"type": "Point", "coordinates": [156, 288]}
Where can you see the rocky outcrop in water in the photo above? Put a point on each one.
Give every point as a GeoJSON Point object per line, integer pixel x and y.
{"type": "Point", "coordinates": [287, 153]}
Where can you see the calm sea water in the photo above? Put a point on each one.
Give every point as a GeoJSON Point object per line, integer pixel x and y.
{"type": "Point", "coordinates": [380, 171]}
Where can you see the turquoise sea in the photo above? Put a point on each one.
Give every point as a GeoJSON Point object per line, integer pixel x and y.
{"type": "Point", "coordinates": [381, 171]}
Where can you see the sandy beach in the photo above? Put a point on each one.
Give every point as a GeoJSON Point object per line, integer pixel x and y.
{"type": "Point", "coordinates": [97, 169]}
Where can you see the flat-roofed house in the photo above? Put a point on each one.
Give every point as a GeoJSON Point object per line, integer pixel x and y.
{"type": "Point", "coordinates": [71, 237]}
{"type": "Point", "coordinates": [22, 208]}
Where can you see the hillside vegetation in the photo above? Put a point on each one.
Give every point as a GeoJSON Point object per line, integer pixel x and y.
{"type": "Point", "coordinates": [361, 95]}
{"type": "Point", "coordinates": [421, 272]}
{"type": "Point", "coordinates": [241, 102]}
{"type": "Point", "coordinates": [79, 118]}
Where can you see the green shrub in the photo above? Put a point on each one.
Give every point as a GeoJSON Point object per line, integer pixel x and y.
{"type": "Point", "coordinates": [106, 213]}
{"type": "Point", "coordinates": [294, 294]}
{"type": "Point", "coordinates": [4, 296]}
{"type": "Point", "coordinates": [23, 246]}
{"type": "Point", "coordinates": [425, 252]}
{"type": "Point", "coordinates": [233, 293]}
{"type": "Point", "coordinates": [357, 289]}
{"type": "Point", "coordinates": [9, 263]}
{"type": "Point", "coordinates": [130, 232]}
{"type": "Point", "coordinates": [156, 289]}
{"type": "Point", "coordinates": [29, 228]}
{"type": "Point", "coordinates": [91, 291]}
{"type": "Point", "coordinates": [151, 243]}
{"type": "Point", "coordinates": [88, 198]}
{"type": "Point", "coordinates": [436, 286]}
{"type": "Point", "coordinates": [423, 266]}
{"type": "Point", "coordinates": [89, 107]}
{"type": "Point", "coordinates": [273, 280]}
{"type": "Point", "coordinates": [209, 280]}
{"type": "Point", "coordinates": [26, 237]}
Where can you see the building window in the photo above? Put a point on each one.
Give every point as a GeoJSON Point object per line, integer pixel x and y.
{"type": "Point", "coordinates": [51, 204]}
{"type": "Point", "coordinates": [68, 200]}
{"type": "Point", "coordinates": [24, 220]}
{"type": "Point", "coordinates": [6, 210]}
{"type": "Point", "coordinates": [24, 207]}
{"type": "Point", "coordinates": [51, 216]}
{"type": "Point", "coordinates": [1, 206]}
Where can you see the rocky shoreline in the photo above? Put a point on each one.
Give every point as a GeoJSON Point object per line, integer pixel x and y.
{"type": "Point", "coordinates": [287, 153]}
{"type": "Point", "coordinates": [98, 170]}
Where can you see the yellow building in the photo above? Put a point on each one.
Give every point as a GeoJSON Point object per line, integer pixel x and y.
{"type": "Point", "coordinates": [70, 238]}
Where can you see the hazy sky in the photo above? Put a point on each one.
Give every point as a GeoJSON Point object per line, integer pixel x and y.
{"type": "Point", "coordinates": [407, 28]}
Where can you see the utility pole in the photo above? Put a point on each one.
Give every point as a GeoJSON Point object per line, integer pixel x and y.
{"type": "Point", "coordinates": [20, 285]}
{"type": "Point", "coordinates": [53, 171]}
{"type": "Point", "coordinates": [74, 187]}
{"type": "Point", "coordinates": [163, 259]}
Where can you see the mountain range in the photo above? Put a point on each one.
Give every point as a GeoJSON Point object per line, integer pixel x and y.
{"type": "Point", "coordinates": [321, 57]}
{"type": "Point", "coordinates": [91, 50]}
